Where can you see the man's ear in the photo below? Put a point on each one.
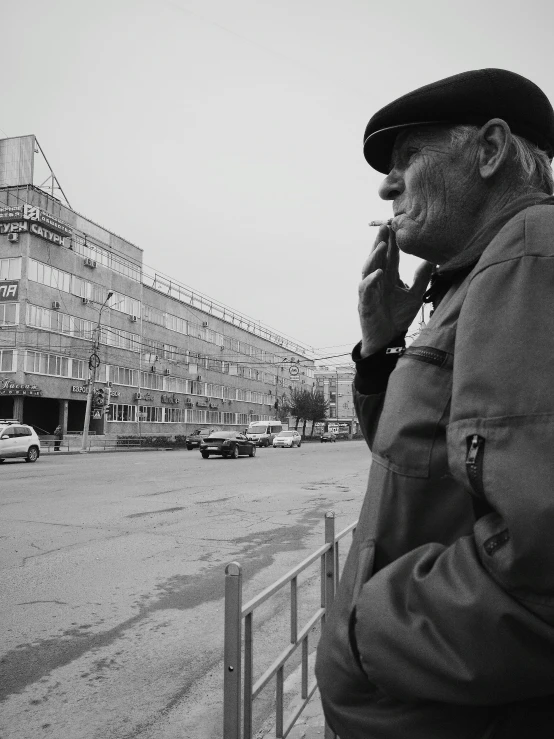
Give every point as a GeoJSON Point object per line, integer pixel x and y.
{"type": "Point", "coordinates": [494, 141]}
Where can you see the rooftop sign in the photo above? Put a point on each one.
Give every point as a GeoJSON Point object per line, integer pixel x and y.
{"type": "Point", "coordinates": [32, 213]}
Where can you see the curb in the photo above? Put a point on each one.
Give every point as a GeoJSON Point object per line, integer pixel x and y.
{"type": "Point", "coordinates": [61, 453]}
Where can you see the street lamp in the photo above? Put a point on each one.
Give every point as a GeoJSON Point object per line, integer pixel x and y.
{"type": "Point", "coordinates": [93, 363]}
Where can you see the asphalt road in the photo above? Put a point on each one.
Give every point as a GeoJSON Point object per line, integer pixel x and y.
{"type": "Point", "coordinates": [112, 579]}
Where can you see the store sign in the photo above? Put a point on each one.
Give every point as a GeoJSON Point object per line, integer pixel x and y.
{"type": "Point", "coordinates": [28, 212]}
{"type": "Point", "coordinates": [14, 228]}
{"type": "Point", "coordinates": [9, 387]}
{"type": "Point", "coordinates": [84, 389]}
{"type": "Point", "coordinates": [11, 213]}
{"type": "Point", "coordinates": [9, 291]}
{"type": "Point", "coordinates": [201, 405]}
{"type": "Point", "coordinates": [34, 228]}
{"type": "Point", "coordinates": [47, 234]}
{"type": "Point", "coordinates": [173, 399]}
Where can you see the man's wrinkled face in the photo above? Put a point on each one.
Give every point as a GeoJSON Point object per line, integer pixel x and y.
{"type": "Point", "coordinates": [434, 189]}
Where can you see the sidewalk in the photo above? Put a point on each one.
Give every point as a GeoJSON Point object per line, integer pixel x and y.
{"type": "Point", "coordinates": [310, 723]}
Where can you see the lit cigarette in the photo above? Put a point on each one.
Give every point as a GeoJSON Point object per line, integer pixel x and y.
{"type": "Point", "coordinates": [381, 223]}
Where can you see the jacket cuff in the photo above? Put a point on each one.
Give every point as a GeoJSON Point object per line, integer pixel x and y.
{"type": "Point", "coordinates": [372, 373]}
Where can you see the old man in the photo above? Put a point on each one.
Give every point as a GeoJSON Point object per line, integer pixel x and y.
{"type": "Point", "coordinates": [443, 625]}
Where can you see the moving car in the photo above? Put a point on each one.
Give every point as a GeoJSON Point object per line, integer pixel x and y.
{"type": "Point", "coordinates": [287, 438]}
{"type": "Point", "coordinates": [262, 433]}
{"type": "Point", "coordinates": [328, 436]}
{"type": "Point", "coordinates": [18, 440]}
{"type": "Point", "coordinates": [227, 444]}
{"type": "Point", "coordinates": [193, 440]}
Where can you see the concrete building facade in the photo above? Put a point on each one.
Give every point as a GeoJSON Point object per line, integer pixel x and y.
{"type": "Point", "coordinates": [171, 359]}
{"type": "Point", "coordinates": [336, 385]}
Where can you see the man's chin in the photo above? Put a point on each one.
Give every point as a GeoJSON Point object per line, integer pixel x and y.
{"type": "Point", "coordinates": [406, 241]}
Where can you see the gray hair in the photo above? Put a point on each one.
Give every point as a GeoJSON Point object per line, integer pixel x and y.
{"type": "Point", "coordinates": [533, 167]}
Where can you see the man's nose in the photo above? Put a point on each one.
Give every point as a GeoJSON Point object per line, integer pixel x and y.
{"type": "Point", "coordinates": [392, 186]}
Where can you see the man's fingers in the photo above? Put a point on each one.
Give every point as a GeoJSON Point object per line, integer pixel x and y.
{"type": "Point", "coordinates": [368, 288]}
{"type": "Point", "coordinates": [393, 257]}
{"type": "Point", "coordinates": [376, 260]}
{"type": "Point", "coordinates": [421, 278]}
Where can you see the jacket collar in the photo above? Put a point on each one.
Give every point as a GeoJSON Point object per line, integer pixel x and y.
{"type": "Point", "coordinates": [461, 265]}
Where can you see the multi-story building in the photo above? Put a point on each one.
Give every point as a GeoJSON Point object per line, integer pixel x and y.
{"type": "Point", "coordinates": [336, 385]}
{"type": "Point", "coordinates": [171, 358]}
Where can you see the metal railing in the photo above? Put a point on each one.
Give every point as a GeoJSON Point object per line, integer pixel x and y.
{"type": "Point", "coordinates": [240, 692]}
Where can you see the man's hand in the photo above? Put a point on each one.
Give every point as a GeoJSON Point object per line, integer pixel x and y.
{"type": "Point", "coordinates": [386, 305]}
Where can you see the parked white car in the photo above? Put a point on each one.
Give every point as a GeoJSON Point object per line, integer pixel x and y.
{"type": "Point", "coordinates": [18, 440]}
{"type": "Point", "coordinates": [287, 438]}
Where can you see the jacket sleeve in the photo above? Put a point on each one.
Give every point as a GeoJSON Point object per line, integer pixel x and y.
{"type": "Point", "coordinates": [370, 384]}
{"type": "Point", "coordinates": [473, 623]}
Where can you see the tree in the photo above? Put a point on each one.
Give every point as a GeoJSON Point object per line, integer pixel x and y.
{"type": "Point", "coordinates": [282, 408]}
{"type": "Point", "coordinates": [299, 402]}
{"type": "Point", "coordinates": [318, 408]}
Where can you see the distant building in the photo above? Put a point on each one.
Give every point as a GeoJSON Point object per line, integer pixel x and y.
{"type": "Point", "coordinates": [336, 385]}
{"type": "Point", "coordinates": [171, 359]}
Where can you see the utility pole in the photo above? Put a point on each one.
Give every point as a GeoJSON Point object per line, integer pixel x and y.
{"type": "Point", "coordinates": [337, 397]}
{"type": "Point", "coordinates": [93, 363]}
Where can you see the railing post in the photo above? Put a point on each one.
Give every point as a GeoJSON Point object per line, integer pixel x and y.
{"type": "Point", "coordinates": [232, 652]}
{"type": "Point", "coordinates": [330, 585]}
{"type": "Point", "coordinates": [330, 580]}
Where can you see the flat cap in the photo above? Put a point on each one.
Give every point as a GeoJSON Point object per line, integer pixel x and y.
{"type": "Point", "coordinates": [472, 97]}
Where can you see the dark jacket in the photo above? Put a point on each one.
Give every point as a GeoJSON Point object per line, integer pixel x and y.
{"type": "Point", "coordinates": [443, 625]}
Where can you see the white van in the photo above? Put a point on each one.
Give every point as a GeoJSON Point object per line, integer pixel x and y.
{"type": "Point", "coordinates": [262, 433]}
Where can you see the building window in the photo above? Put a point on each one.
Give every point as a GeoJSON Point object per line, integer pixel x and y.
{"type": "Point", "coordinates": [7, 357]}
{"type": "Point", "coordinates": [9, 314]}
{"type": "Point", "coordinates": [174, 415]}
{"type": "Point", "coordinates": [52, 320]}
{"type": "Point", "coordinates": [196, 416]}
{"type": "Point", "coordinates": [10, 269]}
{"type": "Point", "coordinates": [213, 416]}
{"type": "Point", "coordinates": [53, 364]}
{"type": "Point", "coordinates": [105, 258]}
{"type": "Point", "coordinates": [170, 352]}
{"type": "Point", "coordinates": [243, 419]}
{"type": "Point", "coordinates": [57, 278]}
{"type": "Point", "coordinates": [176, 385]}
{"type": "Point", "coordinates": [197, 388]}
{"type": "Point", "coordinates": [123, 376]}
{"type": "Point", "coordinates": [151, 414]}
{"type": "Point", "coordinates": [50, 276]}
{"type": "Point", "coordinates": [121, 412]}
{"type": "Point", "coordinates": [151, 381]}
{"type": "Point", "coordinates": [153, 315]}
{"type": "Point", "coordinates": [229, 418]}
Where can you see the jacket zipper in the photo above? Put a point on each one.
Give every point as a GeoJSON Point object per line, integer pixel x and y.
{"type": "Point", "coordinates": [474, 463]}
{"type": "Point", "coordinates": [424, 353]}
{"type": "Point", "coordinates": [474, 467]}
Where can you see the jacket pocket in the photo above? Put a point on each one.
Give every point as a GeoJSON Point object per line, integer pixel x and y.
{"type": "Point", "coordinates": [364, 571]}
{"type": "Point", "coordinates": [415, 409]}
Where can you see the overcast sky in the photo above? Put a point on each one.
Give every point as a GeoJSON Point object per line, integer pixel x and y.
{"type": "Point", "coordinates": [224, 137]}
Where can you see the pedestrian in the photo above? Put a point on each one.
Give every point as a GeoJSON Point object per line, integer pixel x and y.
{"type": "Point", "coordinates": [443, 623]}
{"type": "Point", "coordinates": [58, 434]}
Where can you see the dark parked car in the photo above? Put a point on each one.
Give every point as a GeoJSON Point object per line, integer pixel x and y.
{"type": "Point", "coordinates": [328, 436]}
{"type": "Point", "coordinates": [227, 444]}
{"type": "Point", "coordinates": [194, 439]}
